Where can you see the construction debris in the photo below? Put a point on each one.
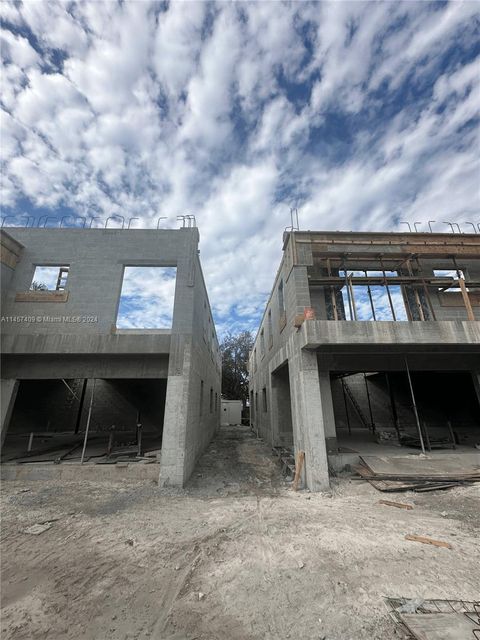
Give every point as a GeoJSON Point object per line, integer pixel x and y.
{"type": "Point", "coordinates": [436, 619]}
{"type": "Point", "coordinates": [435, 626]}
{"type": "Point", "coordinates": [37, 529]}
{"type": "Point", "coordinates": [423, 540]}
{"type": "Point", "coordinates": [298, 469]}
{"type": "Point", "coordinates": [399, 505]}
{"type": "Point", "coordinates": [287, 460]}
{"type": "Point", "coordinates": [417, 474]}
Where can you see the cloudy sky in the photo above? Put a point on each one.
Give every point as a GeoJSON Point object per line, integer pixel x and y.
{"type": "Point", "coordinates": [359, 114]}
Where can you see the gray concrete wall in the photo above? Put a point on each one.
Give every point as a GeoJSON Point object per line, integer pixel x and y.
{"type": "Point", "coordinates": [96, 258]}
{"type": "Point", "coordinates": [187, 354]}
{"type": "Point", "coordinates": [10, 253]}
{"type": "Point", "coordinates": [194, 358]}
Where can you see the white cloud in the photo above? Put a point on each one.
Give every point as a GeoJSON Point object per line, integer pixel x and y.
{"type": "Point", "coordinates": [177, 45]}
{"type": "Point", "coordinates": [18, 49]}
{"type": "Point", "coordinates": [147, 298]}
{"type": "Point", "coordinates": [237, 111]}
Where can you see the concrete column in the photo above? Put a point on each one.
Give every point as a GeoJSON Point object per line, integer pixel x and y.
{"type": "Point", "coordinates": [172, 463]}
{"type": "Point", "coordinates": [9, 390]}
{"type": "Point", "coordinates": [327, 410]}
{"type": "Point", "coordinates": [309, 408]}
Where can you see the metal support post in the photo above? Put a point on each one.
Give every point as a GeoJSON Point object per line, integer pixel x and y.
{"type": "Point", "coordinates": [414, 406]}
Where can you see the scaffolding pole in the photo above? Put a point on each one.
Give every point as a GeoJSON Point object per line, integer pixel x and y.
{"type": "Point", "coordinates": [346, 407]}
{"type": "Point", "coordinates": [87, 427]}
{"type": "Point", "coordinates": [347, 287]}
{"type": "Point", "coordinates": [414, 406]}
{"type": "Point", "coordinates": [372, 423]}
{"type": "Point", "coordinates": [390, 301]}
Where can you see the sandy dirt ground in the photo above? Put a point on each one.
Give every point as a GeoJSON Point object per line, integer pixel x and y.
{"type": "Point", "coordinates": [237, 555]}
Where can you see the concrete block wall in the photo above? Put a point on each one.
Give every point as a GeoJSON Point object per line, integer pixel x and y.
{"type": "Point", "coordinates": [194, 357]}
{"type": "Point", "coordinates": [96, 260]}
{"type": "Point", "coordinates": [296, 295]}
{"type": "Point", "coordinates": [10, 253]}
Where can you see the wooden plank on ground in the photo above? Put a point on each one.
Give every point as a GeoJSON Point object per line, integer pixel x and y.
{"type": "Point", "coordinates": [424, 540]}
{"type": "Point", "coordinates": [398, 505]}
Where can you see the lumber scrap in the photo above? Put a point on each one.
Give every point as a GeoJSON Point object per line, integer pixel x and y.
{"type": "Point", "coordinates": [398, 505]}
{"type": "Point", "coordinates": [425, 540]}
{"type": "Point", "coordinates": [298, 469]}
{"type": "Point", "coordinates": [409, 479]}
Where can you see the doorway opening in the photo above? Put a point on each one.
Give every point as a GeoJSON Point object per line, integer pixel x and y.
{"type": "Point", "coordinates": [282, 406]}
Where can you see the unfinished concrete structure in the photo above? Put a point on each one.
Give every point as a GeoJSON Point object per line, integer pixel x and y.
{"type": "Point", "coordinates": [367, 338]}
{"type": "Point", "coordinates": [62, 347]}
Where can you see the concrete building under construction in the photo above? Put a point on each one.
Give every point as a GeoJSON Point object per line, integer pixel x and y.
{"type": "Point", "coordinates": [369, 341]}
{"type": "Point", "coordinates": [71, 368]}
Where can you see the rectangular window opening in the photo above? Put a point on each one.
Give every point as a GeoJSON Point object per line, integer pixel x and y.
{"type": "Point", "coordinates": [146, 298]}
{"type": "Point", "coordinates": [281, 299]}
{"type": "Point", "coordinates": [264, 399]}
{"type": "Point", "coordinates": [373, 302]}
{"type": "Point", "coordinates": [50, 278]}
{"type": "Point", "coordinates": [281, 307]}
{"type": "Point", "coordinates": [449, 273]}
{"type": "Point", "coordinates": [270, 329]}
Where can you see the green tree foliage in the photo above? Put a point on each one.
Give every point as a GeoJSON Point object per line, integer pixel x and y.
{"type": "Point", "coordinates": [38, 286]}
{"type": "Point", "coordinates": [235, 350]}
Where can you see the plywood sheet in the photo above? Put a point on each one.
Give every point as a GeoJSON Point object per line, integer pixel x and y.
{"type": "Point", "coordinates": [439, 626]}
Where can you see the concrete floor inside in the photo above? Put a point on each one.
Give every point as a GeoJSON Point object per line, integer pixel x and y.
{"type": "Point", "coordinates": [237, 554]}
{"type": "Point", "coordinates": [374, 415]}
{"type": "Point", "coordinates": [360, 442]}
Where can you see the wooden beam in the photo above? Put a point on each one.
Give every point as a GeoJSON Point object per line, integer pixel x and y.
{"type": "Point", "coordinates": [466, 299]}
{"type": "Point", "coordinates": [298, 469]}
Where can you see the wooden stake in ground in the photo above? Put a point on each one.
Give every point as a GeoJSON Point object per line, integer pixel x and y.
{"type": "Point", "coordinates": [399, 505]}
{"type": "Point", "coordinates": [298, 469]}
{"type": "Point", "coordinates": [435, 543]}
